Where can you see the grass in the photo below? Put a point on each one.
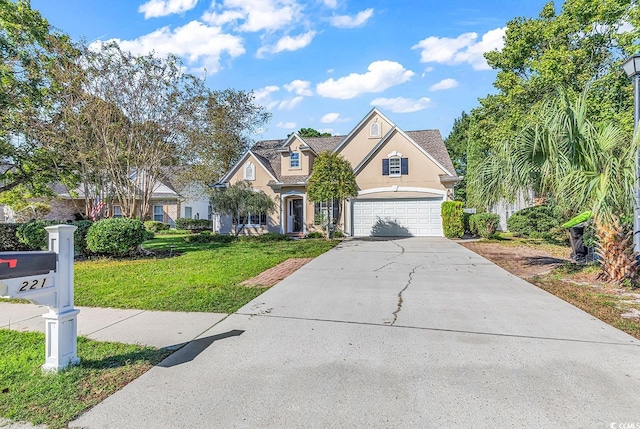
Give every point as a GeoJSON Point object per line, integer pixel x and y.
{"type": "Point", "coordinates": [600, 303]}
{"type": "Point", "coordinates": [551, 246]}
{"type": "Point", "coordinates": [204, 277]}
{"type": "Point", "coordinates": [28, 394]}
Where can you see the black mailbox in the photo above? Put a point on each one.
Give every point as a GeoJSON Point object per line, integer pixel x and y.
{"type": "Point", "coordinates": [25, 264]}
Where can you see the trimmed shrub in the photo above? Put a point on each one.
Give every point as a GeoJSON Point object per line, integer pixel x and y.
{"type": "Point", "coordinates": [465, 222]}
{"type": "Point", "coordinates": [338, 234]}
{"type": "Point", "coordinates": [155, 226]}
{"type": "Point", "coordinates": [265, 238]}
{"type": "Point", "coordinates": [208, 237]}
{"type": "Point", "coordinates": [193, 224]}
{"type": "Point", "coordinates": [484, 224]}
{"type": "Point", "coordinates": [315, 234]}
{"type": "Point", "coordinates": [33, 235]}
{"type": "Point", "coordinates": [537, 219]}
{"type": "Point", "coordinates": [115, 236]}
{"type": "Point", "coordinates": [9, 241]}
{"type": "Point", "coordinates": [80, 236]}
{"type": "Point", "coordinates": [452, 219]}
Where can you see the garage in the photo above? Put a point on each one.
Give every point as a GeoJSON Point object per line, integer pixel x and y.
{"type": "Point", "coordinates": [397, 217]}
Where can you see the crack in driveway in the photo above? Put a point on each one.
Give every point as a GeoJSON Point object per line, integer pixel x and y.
{"type": "Point", "coordinates": [400, 300]}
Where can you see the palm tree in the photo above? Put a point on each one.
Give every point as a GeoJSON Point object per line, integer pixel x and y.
{"type": "Point", "coordinates": [582, 165]}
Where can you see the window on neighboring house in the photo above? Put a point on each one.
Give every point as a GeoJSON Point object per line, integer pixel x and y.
{"type": "Point", "coordinates": [374, 130]}
{"type": "Point", "coordinates": [249, 172]}
{"type": "Point", "coordinates": [294, 160]}
{"type": "Point", "coordinates": [188, 212]}
{"type": "Point", "coordinates": [253, 220]}
{"type": "Point", "coordinates": [158, 213]}
{"type": "Point", "coordinates": [320, 212]}
{"type": "Point", "coordinates": [117, 211]}
{"type": "Point", "coordinates": [395, 166]}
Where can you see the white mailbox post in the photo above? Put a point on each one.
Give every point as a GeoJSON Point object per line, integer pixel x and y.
{"type": "Point", "coordinates": [46, 278]}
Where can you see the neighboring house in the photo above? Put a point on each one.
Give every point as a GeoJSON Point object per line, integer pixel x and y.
{"type": "Point", "coordinates": [505, 209]}
{"type": "Point", "coordinates": [166, 204]}
{"type": "Point", "coordinates": [403, 178]}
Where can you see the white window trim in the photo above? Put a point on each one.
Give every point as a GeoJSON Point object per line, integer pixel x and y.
{"type": "Point", "coordinates": [399, 166]}
{"type": "Point", "coordinates": [154, 213]}
{"type": "Point", "coordinates": [251, 225]}
{"type": "Point", "coordinates": [371, 126]}
{"type": "Point", "coordinates": [114, 211]}
{"type": "Point", "coordinates": [250, 167]}
{"type": "Point", "coordinates": [291, 159]}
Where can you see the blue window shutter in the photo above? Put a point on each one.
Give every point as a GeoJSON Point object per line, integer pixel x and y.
{"type": "Point", "coordinates": [385, 167]}
{"type": "Point", "coordinates": [404, 166]}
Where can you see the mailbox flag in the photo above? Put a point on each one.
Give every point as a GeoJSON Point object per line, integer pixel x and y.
{"type": "Point", "coordinates": [12, 262]}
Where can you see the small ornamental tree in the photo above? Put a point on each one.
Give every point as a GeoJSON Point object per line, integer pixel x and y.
{"type": "Point", "coordinates": [332, 179]}
{"type": "Point", "coordinates": [240, 199]}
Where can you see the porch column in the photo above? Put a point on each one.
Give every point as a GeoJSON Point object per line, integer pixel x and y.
{"type": "Point", "coordinates": [304, 213]}
{"type": "Point", "coordinates": [282, 212]}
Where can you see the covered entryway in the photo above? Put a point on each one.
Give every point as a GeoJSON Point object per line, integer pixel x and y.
{"type": "Point", "coordinates": [419, 217]}
{"type": "Point", "coordinates": [295, 215]}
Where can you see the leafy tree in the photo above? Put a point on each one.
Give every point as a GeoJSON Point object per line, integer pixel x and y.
{"type": "Point", "coordinates": [310, 132]}
{"type": "Point", "coordinates": [29, 49]}
{"type": "Point", "coordinates": [585, 165]}
{"type": "Point", "coordinates": [584, 44]}
{"type": "Point", "coordinates": [239, 200]}
{"type": "Point", "coordinates": [123, 119]}
{"type": "Point", "coordinates": [456, 144]}
{"type": "Point", "coordinates": [332, 179]}
{"type": "Point", "coordinates": [228, 119]}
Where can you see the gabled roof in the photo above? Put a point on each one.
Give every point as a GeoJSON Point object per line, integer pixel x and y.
{"type": "Point", "coordinates": [357, 128]}
{"type": "Point", "coordinates": [431, 141]}
{"type": "Point", "coordinates": [264, 161]}
{"type": "Point", "coordinates": [268, 152]}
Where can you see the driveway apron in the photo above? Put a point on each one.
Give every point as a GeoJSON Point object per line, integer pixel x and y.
{"type": "Point", "coordinates": [416, 332]}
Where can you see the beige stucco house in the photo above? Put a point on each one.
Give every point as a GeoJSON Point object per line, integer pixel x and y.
{"type": "Point", "coordinates": [402, 177]}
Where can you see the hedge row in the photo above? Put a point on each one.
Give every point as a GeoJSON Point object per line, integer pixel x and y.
{"type": "Point", "coordinates": [484, 224]}
{"type": "Point", "coordinates": [114, 237]}
{"type": "Point", "coordinates": [194, 224]}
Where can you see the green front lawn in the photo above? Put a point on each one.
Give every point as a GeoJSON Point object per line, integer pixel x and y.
{"type": "Point", "coordinates": [27, 394]}
{"type": "Point", "coordinates": [204, 277]}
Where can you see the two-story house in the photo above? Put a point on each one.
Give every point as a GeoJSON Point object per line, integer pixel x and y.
{"type": "Point", "coordinates": [402, 177]}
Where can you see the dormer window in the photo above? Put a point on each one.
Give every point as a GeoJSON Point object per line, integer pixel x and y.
{"type": "Point", "coordinates": [294, 160]}
{"type": "Point", "coordinates": [249, 172]}
{"type": "Point", "coordinates": [374, 130]}
{"type": "Point", "coordinates": [395, 165]}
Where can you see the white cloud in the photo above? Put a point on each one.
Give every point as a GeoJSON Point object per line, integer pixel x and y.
{"type": "Point", "coordinates": [331, 3]}
{"type": "Point", "coordinates": [286, 125]}
{"type": "Point", "coordinates": [381, 75]}
{"type": "Point", "coordinates": [330, 118]}
{"type": "Point", "coordinates": [262, 96]}
{"type": "Point", "coordinates": [157, 8]}
{"type": "Point", "coordinates": [346, 21]}
{"type": "Point", "coordinates": [198, 43]}
{"type": "Point", "coordinates": [288, 43]}
{"type": "Point", "coordinates": [444, 84]}
{"type": "Point", "coordinates": [402, 105]}
{"type": "Point", "coordinates": [257, 15]}
{"type": "Point", "coordinates": [290, 104]}
{"type": "Point", "coordinates": [300, 87]}
{"type": "Point", "coordinates": [223, 18]}
{"type": "Point", "coordinates": [466, 48]}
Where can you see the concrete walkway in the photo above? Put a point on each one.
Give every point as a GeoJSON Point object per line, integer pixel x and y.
{"type": "Point", "coordinates": [399, 333]}
{"type": "Point", "coordinates": [153, 328]}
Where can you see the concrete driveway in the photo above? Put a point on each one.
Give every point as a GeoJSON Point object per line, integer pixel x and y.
{"type": "Point", "coordinates": [414, 333]}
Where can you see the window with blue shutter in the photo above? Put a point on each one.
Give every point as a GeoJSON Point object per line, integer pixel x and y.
{"type": "Point", "coordinates": [385, 167]}
{"type": "Point", "coordinates": [404, 166]}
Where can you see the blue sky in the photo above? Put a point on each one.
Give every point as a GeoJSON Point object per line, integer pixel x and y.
{"type": "Point", "coordinates": [316, 63]}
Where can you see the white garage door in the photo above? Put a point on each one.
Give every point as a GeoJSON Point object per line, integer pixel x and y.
{"type": "Point", "coordinates": [397, 218]}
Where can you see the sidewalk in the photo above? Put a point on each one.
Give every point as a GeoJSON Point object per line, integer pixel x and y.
{"type": "Point", "coordinates": [161, 329]}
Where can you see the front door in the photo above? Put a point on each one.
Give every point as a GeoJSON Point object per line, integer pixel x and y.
{"type": "Point", "coordinates": [296, 212]}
